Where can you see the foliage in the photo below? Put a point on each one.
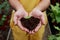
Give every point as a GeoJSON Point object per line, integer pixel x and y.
{"type": "Point", "coordinates": [4, 6]}
{"type": "Point", "coordinates": [2, 20]}
{"type": "Point", "coordinates": [55, 37]}
{"type": "Point", "coordinates": [4, 9]}
{"type": "Point", "coordinates": [55, 13]}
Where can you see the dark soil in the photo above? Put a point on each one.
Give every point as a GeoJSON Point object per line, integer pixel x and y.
{"type": "Point", "coordinates": [30, 23]}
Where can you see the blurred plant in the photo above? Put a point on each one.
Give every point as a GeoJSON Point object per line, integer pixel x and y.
{"type": "Point", "coordinates": [55, 15]}
{"type": "Point", "coordinates": [55, 37]}
{"type": "Point", "coordinates": [4, 9]}
{"type": "Point", "coordinates": [2, 20]}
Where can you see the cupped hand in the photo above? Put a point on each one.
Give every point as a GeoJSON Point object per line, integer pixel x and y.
{"type": "Point", "coordinates": [17, 16]}
{"type": "Point", "coordinates": [37, 14]}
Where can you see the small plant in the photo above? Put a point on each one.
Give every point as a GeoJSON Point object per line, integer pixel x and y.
{"type": "Point", "coordinates": [27, 17]}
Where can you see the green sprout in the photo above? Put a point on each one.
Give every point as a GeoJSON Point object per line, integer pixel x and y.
{"type": "Point", "coordinates": [27, 17]}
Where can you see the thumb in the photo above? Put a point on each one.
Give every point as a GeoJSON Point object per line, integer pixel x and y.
{"type": "Point", "coordinates": [25, 14]}
{"type": "Point", "coordinates": [15, 20]}
{"type": "Point", "coordinates": [42, 19]}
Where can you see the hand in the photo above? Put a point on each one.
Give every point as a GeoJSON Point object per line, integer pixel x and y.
{"type": "Point", "coordinates": [37, 14]}
{"type": "Point", "coordinates": [17, 16]}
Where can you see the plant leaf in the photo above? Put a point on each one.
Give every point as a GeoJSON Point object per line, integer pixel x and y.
{"type": "Point", "coordinates": [3, 19]}
{"type": "Point", "coordinates": [52, 37]}
{"type": "Point", "coordinates": [58, 19]}
{"type": "Point", "coordinates": [58, 38]}
{"type": "Point", "coordinates": [4, 16]}
{"type": "Point", "coordinates": [27, 17]}
{"type": "Point", "coordinates": [56, 27]}
{"type": "Point", "coordinates": [53, 20]}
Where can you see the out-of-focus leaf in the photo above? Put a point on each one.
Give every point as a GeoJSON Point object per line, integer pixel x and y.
{"type": "Point", "coordinates": [3, 19]}
{"type": "Point", "coordinates": [57, 4]}
{"type": "Point", "coordinates": [53, 20]}
{"type": "Point", "coordinates": [52, 37]}
{"type": "Point", "coordinates": [58, 38]}
{"type": "Point", "coordinates": [56, 27]}
{"type": "Point", "coordinates": [58, 19]}
{"type": "Point", "coordinates": [4, 16]}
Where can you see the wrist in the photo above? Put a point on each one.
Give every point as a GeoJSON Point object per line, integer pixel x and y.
{"type": "Point", "coordinates": [19, 8]}
{"type": "Point", "coordinates": [39, 8]}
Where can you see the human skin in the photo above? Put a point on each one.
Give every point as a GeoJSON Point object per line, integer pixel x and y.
{"type": "Point", "coordinates": [36, 12]}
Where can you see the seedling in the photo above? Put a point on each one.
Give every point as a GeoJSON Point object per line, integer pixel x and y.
{"type": "Point", "coordinates": [27, 17]}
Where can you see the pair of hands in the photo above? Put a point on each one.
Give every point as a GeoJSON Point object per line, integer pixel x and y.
{"type": "Point", "coordinates": [22, 13]}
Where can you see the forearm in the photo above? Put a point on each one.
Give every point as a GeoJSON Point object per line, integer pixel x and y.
{"type": "Point", "coordinates": [16, 4]}
{"type": "Point", "coordinates": [43, 5]}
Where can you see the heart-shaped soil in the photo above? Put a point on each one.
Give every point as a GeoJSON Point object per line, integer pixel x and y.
{"type": "Point", "coordinates": [30, 23]}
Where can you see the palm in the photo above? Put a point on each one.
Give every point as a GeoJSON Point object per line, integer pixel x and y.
{"type": "Point", "coordinates": [17, 16]}
{"type": "Point", "coordinates": [37, 14]}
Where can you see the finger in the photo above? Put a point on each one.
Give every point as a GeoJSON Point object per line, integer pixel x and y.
{"type": "Point", "coordinates": [32, 32]}
{"type": "Point", "coordinates": [23, 28]}
{"type": "Point", "coordinates": [42, 19]}
{"type": "Point", "coordinates": [19, 24]}
{"type": "Point", "coordinates": [15, 19]}
{"type": "Point", "coordinates": [20, 16]}
{"type": "Point", "coordinates": [37, 28]}
{"type": "Point", "coordinates": [26, 30]}
{"type": "Point", "coordinates": [25, 14]}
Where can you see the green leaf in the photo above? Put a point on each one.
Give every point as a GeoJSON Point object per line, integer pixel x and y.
{"type": "Point", "coordinates": [51, 14]}
{"type": "Point", "coordinates": [58, 14]}
{"type": "Point", "coordinates": [27, 17]}
{"type": "Point", "coordinates": [53, 20]}
{"type": "Point", "coordinates": [57, 4]}
{"type": "Point", "coordinates": [58, 38]}
{"type": "Point", "coordinates": [56, 27]}
{"type": "Point", "coordinates": [3, 4]}
{"type": "Point", "coordinates": [3, 19]}
{"type": "Point", "coordinates": [58, 19]}
{"type": "Point", "coordinates": [4, 16]}
{"type": "Point", "coordinates": [55, 9]}
{"type": "Point", "coordinates": [52, 37]}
